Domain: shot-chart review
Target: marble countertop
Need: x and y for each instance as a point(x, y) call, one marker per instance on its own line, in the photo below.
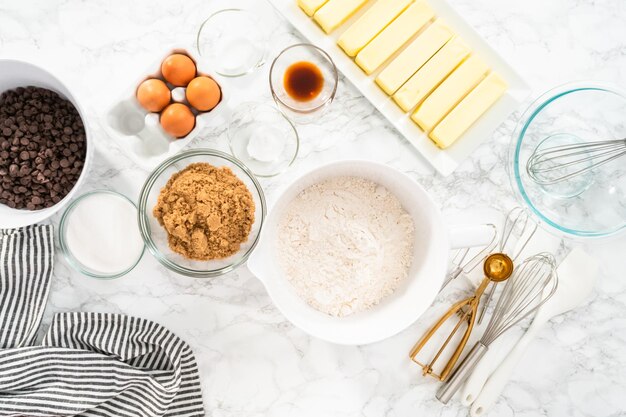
point(253, 362)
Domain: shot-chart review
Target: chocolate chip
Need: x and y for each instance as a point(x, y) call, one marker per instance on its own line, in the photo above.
point(42, 148)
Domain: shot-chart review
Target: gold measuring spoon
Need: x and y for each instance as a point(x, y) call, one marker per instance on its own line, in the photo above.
point(497, 267)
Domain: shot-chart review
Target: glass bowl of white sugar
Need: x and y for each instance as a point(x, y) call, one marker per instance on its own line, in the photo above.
point(99, 235)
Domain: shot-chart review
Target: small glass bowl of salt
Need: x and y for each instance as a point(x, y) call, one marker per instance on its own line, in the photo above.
point(263, 139)
point(99, 234)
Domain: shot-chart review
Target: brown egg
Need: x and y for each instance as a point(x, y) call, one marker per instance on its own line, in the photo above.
point(178, 69)
point(153, 95)
point(177, 120)
point(203, 93)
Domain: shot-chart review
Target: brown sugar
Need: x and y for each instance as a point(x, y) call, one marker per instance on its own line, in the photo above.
point(207, 212)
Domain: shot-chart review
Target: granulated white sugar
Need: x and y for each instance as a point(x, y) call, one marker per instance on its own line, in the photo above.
point(345, 244)
point(102, 233)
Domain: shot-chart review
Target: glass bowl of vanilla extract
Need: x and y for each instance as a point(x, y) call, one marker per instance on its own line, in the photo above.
point(303, 82)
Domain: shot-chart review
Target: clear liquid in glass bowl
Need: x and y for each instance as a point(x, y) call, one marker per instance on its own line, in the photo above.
point(233, 42)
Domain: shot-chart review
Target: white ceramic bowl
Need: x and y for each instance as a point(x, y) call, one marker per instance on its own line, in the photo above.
point(408, 302)
point(16, 73)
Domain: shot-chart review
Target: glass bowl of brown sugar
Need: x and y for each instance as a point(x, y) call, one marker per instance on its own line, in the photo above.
point(201, 213)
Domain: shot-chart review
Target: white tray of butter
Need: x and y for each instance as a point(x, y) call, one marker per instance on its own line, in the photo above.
point(420, 64)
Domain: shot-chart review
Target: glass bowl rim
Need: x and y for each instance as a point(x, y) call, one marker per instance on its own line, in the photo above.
point(67, 253)
point(528, 116)
point(335, 78)
point(243, 11)
point(144, 225)
point(293, 127)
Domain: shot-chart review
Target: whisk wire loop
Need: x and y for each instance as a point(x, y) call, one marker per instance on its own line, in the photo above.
point(555, 164)
point(525, 294)
point(519, 224)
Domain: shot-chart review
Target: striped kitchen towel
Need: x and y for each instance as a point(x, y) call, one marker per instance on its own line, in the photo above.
point(26, 261)
point(93, 364)
point(88, 364)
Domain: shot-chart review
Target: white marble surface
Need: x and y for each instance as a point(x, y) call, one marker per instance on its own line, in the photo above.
point(253, 362)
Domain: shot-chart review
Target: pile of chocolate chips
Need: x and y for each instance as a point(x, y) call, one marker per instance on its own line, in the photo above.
point(42, 148)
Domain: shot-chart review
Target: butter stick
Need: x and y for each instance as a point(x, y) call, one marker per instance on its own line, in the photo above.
point(468, 111)
point(373, 21)
point(311, 6)
point(449, 93)
point(415, 90)
point(413, 57)
point(380, 49)
point(335, 12)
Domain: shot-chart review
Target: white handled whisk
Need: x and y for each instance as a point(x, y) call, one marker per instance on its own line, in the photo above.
point(554, 164)
point(531, 285)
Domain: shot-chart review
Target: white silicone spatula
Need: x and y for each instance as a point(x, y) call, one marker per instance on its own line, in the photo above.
point(577, 275)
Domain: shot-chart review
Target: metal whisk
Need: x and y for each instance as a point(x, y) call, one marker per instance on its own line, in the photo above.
point(532, 284)
point(518, 229)
point(555, 164)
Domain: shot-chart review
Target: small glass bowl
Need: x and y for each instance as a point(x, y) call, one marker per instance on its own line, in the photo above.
point(154, 234)
point(592, 205)
point(232, 42)
point(263, 138)
point(303, 111)
point(71, 258)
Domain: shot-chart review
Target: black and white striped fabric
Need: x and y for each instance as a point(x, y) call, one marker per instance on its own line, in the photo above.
point(88, 364)
point(101, 365)
point(26, 262)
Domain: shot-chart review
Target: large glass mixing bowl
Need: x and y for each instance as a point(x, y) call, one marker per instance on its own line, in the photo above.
point(594, 204)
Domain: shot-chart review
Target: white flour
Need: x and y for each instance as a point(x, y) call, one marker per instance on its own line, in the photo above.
point(344, 244)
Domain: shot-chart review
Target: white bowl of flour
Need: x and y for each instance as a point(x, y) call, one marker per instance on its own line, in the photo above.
point(354, 252)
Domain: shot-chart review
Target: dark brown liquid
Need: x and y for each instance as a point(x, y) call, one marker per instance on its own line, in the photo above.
point(303, 81)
